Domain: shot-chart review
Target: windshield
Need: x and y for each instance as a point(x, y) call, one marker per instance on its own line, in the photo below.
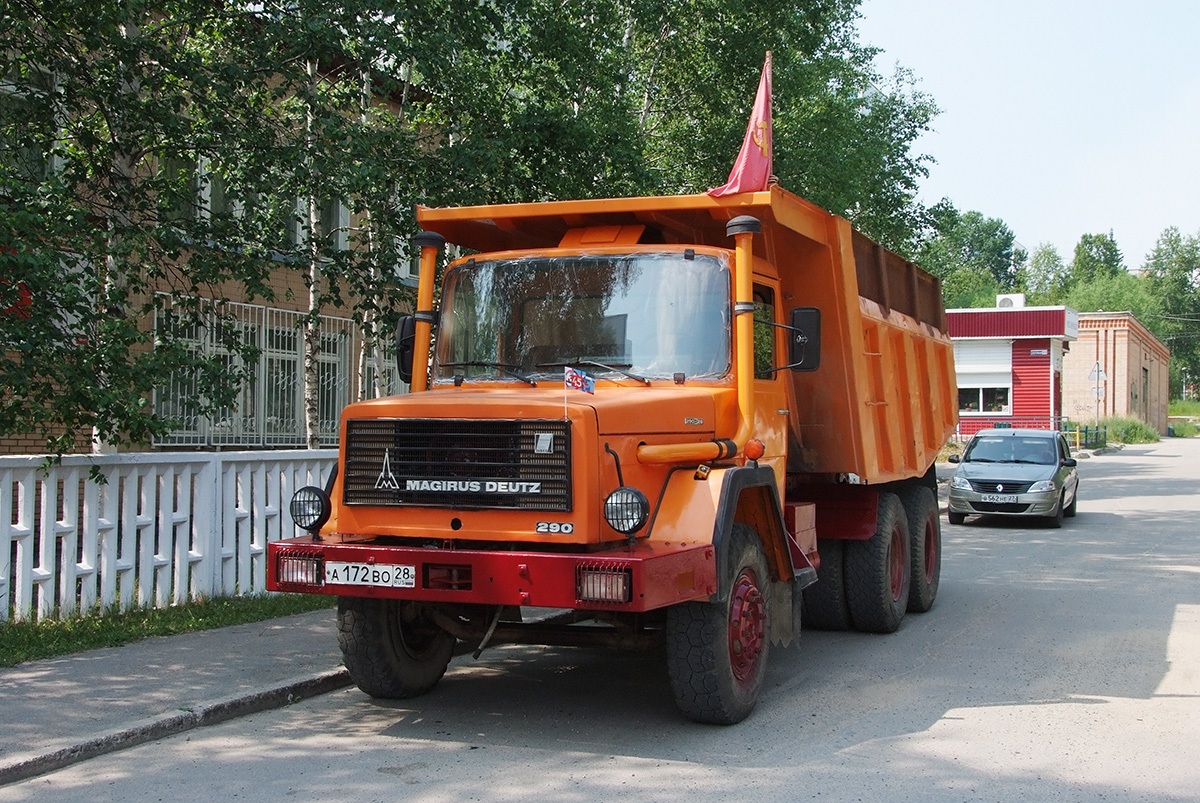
point(1007, 449)
point(649, 316)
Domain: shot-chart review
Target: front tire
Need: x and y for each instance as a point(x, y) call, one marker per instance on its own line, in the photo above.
point(1055, 519)
point(391, 650)
point(877, 571)
point(956, 518)
point(1071, 508)
point(717, 651)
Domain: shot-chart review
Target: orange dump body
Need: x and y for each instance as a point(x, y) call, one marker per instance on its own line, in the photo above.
point(882, 403)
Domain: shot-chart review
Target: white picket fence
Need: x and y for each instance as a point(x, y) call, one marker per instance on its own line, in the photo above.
point(163, 528)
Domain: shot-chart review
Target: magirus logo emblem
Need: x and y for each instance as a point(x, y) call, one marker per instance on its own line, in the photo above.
point(387, 480)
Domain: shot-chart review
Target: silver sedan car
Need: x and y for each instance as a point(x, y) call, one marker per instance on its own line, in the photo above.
point(1015, 472)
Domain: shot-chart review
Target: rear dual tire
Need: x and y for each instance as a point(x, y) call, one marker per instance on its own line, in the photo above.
point(925, 529)
point(878, 570)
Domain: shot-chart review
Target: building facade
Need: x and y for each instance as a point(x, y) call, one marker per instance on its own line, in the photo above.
point(1116, 368)
point(1010, 362)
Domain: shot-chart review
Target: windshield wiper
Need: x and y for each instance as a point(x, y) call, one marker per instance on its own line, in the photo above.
point(979, 460)
point(507, 368)
point(620, 369)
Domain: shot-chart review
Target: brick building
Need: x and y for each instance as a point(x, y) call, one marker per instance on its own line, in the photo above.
point(1116, 368)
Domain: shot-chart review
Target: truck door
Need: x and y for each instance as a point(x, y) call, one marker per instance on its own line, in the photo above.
point(771, 413)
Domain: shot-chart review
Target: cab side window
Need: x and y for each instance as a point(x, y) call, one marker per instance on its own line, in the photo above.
point(764, 332)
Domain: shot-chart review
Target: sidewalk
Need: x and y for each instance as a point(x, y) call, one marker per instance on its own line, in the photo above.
point(64, 710)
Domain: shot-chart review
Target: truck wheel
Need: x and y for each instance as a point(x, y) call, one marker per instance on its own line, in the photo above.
point(717, 651)
point(925, 549)
point(825, 600)
point(877, 571)
point(390, 650)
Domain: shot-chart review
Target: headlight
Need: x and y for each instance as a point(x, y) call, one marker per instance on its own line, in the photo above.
point(310, 508)
point(960, 483)
point(626, 510)
point(1041, 487)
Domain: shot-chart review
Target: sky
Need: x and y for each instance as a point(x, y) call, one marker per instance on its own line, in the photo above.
point(1060, 117)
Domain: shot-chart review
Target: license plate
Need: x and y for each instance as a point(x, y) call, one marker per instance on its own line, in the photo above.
point(370, 574)
point(998, 498)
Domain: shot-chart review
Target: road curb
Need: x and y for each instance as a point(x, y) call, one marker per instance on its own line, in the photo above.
point(212, 713)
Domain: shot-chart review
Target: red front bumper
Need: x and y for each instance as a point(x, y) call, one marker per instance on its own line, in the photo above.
point(643, 577)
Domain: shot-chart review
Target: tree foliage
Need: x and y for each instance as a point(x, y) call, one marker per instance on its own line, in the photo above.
point(1096, 256)
point(156, 157)
point(843, 134)
point(1172, 276)
point(1045, 277)
point(976, 257)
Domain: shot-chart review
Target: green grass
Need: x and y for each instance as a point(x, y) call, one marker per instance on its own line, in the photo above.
point(1129, 430)
point(30, 641)
point(1183, 407)
point(1184, 429)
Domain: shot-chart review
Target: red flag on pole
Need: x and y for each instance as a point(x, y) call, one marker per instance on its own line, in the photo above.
point(752, 170)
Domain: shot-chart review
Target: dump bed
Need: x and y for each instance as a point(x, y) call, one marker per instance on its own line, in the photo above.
point(883, 401)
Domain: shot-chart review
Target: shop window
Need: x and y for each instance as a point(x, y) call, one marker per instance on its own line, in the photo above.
point(994, 401)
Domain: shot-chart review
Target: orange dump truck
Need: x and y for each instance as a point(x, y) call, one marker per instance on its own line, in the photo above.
point(685, 420)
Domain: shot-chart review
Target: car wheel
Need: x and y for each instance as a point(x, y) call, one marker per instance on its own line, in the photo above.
point(1070, 511)
point(956, 518)
point(1056, 519)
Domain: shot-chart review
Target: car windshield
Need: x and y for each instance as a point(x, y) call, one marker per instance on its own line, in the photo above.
point(1011, 449)
point(645, 316)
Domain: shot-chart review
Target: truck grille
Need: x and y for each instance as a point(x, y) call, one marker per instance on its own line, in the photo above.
point(452, 463)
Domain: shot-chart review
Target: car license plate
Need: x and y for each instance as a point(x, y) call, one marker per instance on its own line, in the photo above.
point(370, 574)
point(998, 498)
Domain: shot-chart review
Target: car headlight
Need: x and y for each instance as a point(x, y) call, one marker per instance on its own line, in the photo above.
point(626, 510)
point(960, 483)
point(310, 508)
point(1041, 487)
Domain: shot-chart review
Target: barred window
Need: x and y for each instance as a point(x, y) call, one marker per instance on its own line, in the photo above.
point(269, 411)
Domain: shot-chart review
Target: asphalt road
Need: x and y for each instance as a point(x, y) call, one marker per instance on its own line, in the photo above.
point(1057, 665)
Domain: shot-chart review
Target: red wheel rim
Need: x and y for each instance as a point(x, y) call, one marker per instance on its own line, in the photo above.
point(931, 548)
point(897, 563)
point(747, 618)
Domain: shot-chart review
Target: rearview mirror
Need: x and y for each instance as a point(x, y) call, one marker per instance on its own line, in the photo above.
point(406, 340)
point(804, 339)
